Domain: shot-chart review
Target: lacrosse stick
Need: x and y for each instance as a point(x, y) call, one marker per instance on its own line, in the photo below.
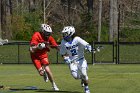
point(2, 42)
point(48, 45)
point(45, 76)
point(97, 50)
point(94, 50)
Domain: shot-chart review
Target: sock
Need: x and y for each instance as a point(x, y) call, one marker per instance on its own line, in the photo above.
point(53, 84)
point(86, 87)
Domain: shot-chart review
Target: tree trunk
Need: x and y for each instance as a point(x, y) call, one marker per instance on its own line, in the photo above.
point(115, 21)
point(8, 11)
point(3, 16)
point(31, 5)
point(111, 22)
point(44, 10)
point(100, 20)
point(0, 19)
point(90, 6)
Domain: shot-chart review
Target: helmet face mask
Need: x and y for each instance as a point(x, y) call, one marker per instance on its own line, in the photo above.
point(46, 30)
point(67, 32)
point(47, 34)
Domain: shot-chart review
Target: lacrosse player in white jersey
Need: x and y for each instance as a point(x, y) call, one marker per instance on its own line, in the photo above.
point(72, 49)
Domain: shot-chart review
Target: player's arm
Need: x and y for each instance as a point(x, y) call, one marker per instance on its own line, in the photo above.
point(53, 43)
point(35, 45)
point(86, 45)
point(32, 48)
point(39, 46)
point(66, 58)
point(65, 55)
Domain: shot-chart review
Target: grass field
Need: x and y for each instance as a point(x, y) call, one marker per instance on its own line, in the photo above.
point(103, 79)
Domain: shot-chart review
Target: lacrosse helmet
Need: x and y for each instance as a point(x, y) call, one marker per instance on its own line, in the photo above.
point(46, 30)
point(67, 32)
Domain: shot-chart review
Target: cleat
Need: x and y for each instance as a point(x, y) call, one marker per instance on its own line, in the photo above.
point(55, 88)
point(87, 90)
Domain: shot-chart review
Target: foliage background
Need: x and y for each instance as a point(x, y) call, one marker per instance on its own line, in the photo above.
point(21, 18)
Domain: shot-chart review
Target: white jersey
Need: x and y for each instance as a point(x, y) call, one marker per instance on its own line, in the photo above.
point(74, 49)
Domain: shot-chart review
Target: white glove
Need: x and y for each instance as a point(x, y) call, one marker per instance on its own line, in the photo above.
point(88, 47)
point(67, 60)
point(41, 46)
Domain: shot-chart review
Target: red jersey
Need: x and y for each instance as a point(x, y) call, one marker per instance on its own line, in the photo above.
point(39, 38)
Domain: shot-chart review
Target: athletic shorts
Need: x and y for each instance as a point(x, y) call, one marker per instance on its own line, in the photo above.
point(39, 62)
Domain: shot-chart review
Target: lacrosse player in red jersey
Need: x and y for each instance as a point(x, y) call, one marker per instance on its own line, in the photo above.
point(39, 46)
point(72, 49)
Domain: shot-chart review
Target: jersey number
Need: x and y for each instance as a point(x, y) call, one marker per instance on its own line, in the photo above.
point(73, 52)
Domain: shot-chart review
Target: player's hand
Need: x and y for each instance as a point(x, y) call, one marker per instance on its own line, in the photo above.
point(89, 48)
point(67, 60)
point(41, 46)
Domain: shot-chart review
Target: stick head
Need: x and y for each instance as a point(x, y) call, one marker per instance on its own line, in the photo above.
point(97, 49)
point(3, 41)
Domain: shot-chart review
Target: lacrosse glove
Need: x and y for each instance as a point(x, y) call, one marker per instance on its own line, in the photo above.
point(67, 60)
point(89, 48)
point(41, 46)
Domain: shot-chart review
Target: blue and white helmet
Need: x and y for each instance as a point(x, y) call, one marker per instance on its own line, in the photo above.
point(46, 28)
point(68, 31)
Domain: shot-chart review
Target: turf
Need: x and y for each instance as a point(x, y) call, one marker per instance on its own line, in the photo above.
point(103, 79)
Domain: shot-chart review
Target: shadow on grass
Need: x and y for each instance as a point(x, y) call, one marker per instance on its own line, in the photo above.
point(35, 89)
point(50, 91)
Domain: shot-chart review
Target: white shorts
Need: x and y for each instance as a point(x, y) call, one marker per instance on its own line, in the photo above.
point(79, 68)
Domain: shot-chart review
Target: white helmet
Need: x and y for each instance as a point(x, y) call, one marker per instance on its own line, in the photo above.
point(46, 28)
point(68, 31)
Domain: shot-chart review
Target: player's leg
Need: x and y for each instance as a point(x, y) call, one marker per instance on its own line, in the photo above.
point(45, 76)
point(85, 79)
point(49, 73)
point(82, 83)
point(83, 69)
point(39, 67)
point(74, 71)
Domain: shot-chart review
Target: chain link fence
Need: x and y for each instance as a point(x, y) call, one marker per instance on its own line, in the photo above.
point(123, 52)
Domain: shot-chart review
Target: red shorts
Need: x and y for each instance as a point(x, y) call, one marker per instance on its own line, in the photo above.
point(39, 62)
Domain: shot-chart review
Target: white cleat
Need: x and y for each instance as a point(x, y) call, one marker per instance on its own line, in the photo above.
point(87, 90)
point(55, 88)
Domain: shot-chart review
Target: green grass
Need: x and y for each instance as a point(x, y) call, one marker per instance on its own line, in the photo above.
point(102, 79)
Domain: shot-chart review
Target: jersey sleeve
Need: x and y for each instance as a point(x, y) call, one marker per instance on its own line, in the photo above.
point(63, 49)
point(81, 41)
point(52, 42)
point(33, 40)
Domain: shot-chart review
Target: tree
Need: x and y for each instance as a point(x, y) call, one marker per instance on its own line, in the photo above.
point(0, 19)
point(115, 21)
point(6, 17)
point(111, 21)
point(90, 6)
point(113, 30)
point(99, 20)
